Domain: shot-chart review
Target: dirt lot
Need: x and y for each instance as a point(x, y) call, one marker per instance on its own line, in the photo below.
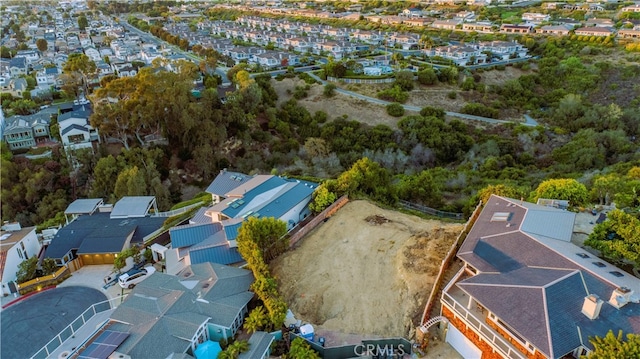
point(366, 271)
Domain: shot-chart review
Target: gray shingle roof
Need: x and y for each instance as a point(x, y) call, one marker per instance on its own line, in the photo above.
point(259, 342)
point(161, 314)
point(530, 276)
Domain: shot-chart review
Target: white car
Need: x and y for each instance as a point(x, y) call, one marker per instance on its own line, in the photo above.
point(135, 276)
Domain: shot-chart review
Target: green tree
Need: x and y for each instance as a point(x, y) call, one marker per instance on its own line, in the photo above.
point(300, 349)
point(499, 190)
point(322, 198)
point(605, 187)
point(562, 188)
point(27, 270)
point(42, 45)
point(618, 237)
point(368, 178)
point(256, 320)
point(404, 79)
point(615, 347)
point(130, 182)
point(80, 65)
point(234, 349)
point(427, 77)
point(49, 266)
point(268, 235)
point(83, 23)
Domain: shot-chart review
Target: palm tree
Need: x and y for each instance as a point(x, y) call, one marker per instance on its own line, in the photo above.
point(256, 320)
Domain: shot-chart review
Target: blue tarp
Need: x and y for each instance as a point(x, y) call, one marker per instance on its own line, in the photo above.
point(208, 350)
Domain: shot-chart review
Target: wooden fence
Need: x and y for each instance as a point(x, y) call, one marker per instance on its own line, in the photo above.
point(360, 81)
point(42, 282)
point(328, 212)
point(428, 210)
point(437, 284)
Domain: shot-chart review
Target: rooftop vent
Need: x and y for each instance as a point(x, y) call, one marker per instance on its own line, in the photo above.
point(582, 255)
point(620, 297)
point(591, 306)
point(186, 274)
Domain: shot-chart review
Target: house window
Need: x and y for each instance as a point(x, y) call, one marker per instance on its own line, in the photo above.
point(76, 138)
point(20, 253)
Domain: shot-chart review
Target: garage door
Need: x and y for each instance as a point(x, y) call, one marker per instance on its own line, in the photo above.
point(461, 344)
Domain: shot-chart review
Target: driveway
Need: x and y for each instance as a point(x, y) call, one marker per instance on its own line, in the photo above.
point(31, 323)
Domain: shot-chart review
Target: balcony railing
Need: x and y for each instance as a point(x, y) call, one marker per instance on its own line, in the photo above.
point(72, 328)
point(475, 321)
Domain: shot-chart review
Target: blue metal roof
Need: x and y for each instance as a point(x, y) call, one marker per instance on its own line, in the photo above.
point(232, 231)
point(233, 211)
point(190, 234)
point(219, 254)
point(226, 181)
point(286, 201)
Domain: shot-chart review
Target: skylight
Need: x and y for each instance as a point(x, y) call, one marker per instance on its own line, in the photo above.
point(599, 264)
point(501, 216)
point(582, 255)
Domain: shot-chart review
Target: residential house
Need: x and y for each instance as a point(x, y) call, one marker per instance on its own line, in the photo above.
point(369, 37)
point(465, 16)
point(18, 66)
point(48, 76)
point(411, 12)
point(30, 56)
point(480, 27)
point(407, 41)
point(300, 44)
point(24, 132)
point(461, 55)
point(631, 8)
point(92, 53)
point(556, 30)
point(418, 22)
point(629, 33)
point(594, 31)
point(17, 244)
point(535, 18)
point(446, 24)
point(75, 130)
point(17, 86)
point(98, 233)
point(594, 22)
point(211, 234)
point(516, 29)
point(526, 291)
point(169, 316)
point(503, 50)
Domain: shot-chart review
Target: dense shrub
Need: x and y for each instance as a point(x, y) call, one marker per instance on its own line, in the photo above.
point(394, 94)
point(478, 109)
point(395, 109)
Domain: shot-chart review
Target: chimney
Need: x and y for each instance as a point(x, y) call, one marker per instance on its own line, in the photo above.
point(591, 306)
point(620, 297)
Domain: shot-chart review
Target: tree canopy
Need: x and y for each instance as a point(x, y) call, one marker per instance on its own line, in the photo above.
point(615, 346)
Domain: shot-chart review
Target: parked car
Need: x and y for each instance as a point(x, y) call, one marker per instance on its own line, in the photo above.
point(135, 276)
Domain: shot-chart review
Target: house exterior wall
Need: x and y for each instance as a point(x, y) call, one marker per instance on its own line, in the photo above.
point(297, 213)
point(487, 351)
point(20, 139)
point(31, 248)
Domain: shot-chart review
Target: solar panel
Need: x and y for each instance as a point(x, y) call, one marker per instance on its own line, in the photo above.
point(104, 345)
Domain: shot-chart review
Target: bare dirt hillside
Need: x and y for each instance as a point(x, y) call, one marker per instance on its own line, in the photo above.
point(365, 271)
